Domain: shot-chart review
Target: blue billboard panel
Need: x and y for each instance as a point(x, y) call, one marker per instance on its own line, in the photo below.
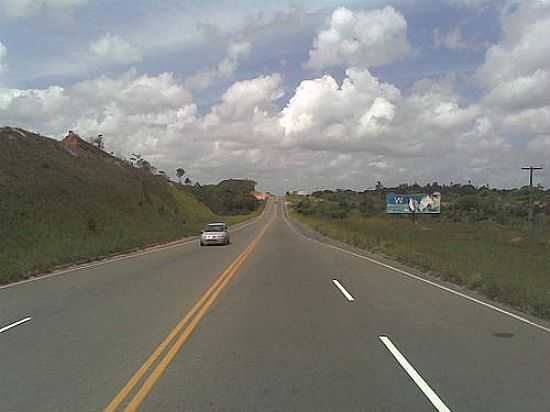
point(413, 203)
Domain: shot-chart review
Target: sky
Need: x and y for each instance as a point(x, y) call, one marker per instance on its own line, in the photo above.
point(295, 95)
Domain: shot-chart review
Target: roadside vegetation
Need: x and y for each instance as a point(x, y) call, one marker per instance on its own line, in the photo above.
point(61, 204)
point(229, 197)
point(481, 239)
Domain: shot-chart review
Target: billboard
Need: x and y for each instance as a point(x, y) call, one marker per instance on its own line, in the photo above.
point(413, 203)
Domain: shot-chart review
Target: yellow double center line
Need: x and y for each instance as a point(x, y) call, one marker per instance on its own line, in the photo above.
point(182, 332)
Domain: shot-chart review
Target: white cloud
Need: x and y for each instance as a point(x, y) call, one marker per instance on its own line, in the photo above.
point(324, 114)
point(522, 51)
point(540, 145)
point(526, 123)
point(136, 94)
point(396, 132)
point(246, 118)
point(225, 69)
point(374, 121)
point(329, 133)
point(26, 8)
point(114, 49)
point(246, 96)
point(521, 93)
point(56, 109)
point(361, 39)
point(107, 51)
point(239, 50)
point(516, 77)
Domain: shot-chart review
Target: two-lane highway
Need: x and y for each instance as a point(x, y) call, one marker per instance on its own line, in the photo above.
point(274, 322)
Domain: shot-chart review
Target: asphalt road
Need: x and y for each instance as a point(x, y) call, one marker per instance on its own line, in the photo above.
point(282, 323)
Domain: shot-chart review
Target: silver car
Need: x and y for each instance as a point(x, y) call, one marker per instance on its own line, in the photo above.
point(215, 234)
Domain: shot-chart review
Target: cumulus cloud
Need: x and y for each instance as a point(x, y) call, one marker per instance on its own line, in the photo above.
point(522, 50)
point(103, 101)
point(329, 132)
point(361, 39)
point(26, 8)
point(114, 49)
point(225, 69)
point(516, 73)
point(323, 113)
point(366, 115)
point(522, 92)
point(246, 96)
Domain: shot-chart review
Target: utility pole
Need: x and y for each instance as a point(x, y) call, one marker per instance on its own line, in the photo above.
point(531, 170)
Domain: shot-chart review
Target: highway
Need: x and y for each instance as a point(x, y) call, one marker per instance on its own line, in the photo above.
point(280, 320)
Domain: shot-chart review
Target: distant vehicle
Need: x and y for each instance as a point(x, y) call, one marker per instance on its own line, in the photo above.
point(215, 234)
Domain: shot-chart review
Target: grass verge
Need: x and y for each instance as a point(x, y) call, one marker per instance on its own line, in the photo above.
point(59, 250)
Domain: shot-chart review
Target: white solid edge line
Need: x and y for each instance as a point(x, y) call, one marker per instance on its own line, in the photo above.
point(429, 282)
point(153, 249)
point(421, 383)
point(14, 324)
point(343, 290)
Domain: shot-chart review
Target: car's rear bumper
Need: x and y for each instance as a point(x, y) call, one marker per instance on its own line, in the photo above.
point(213, 241)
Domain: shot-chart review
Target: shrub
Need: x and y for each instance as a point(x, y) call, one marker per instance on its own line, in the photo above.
point(91, 224)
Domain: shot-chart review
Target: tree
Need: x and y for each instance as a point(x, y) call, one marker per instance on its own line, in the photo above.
point(98, 141)
point(179, 173)
point(138, 161)
point(135, 159)
point(187, 181)
point(380, 189)
point(145, 165)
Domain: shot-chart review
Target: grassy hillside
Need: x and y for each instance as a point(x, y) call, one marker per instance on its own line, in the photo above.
point(61, 205)
point(469, 244)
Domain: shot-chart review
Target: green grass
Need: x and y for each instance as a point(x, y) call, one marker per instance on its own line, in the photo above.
point(500, 262)
point(57, 208)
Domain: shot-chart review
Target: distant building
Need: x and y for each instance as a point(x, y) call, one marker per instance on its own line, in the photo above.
point(261, 195)
point(78, 146)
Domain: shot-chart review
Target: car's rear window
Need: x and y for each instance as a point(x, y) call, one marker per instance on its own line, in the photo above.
point(214, 228)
